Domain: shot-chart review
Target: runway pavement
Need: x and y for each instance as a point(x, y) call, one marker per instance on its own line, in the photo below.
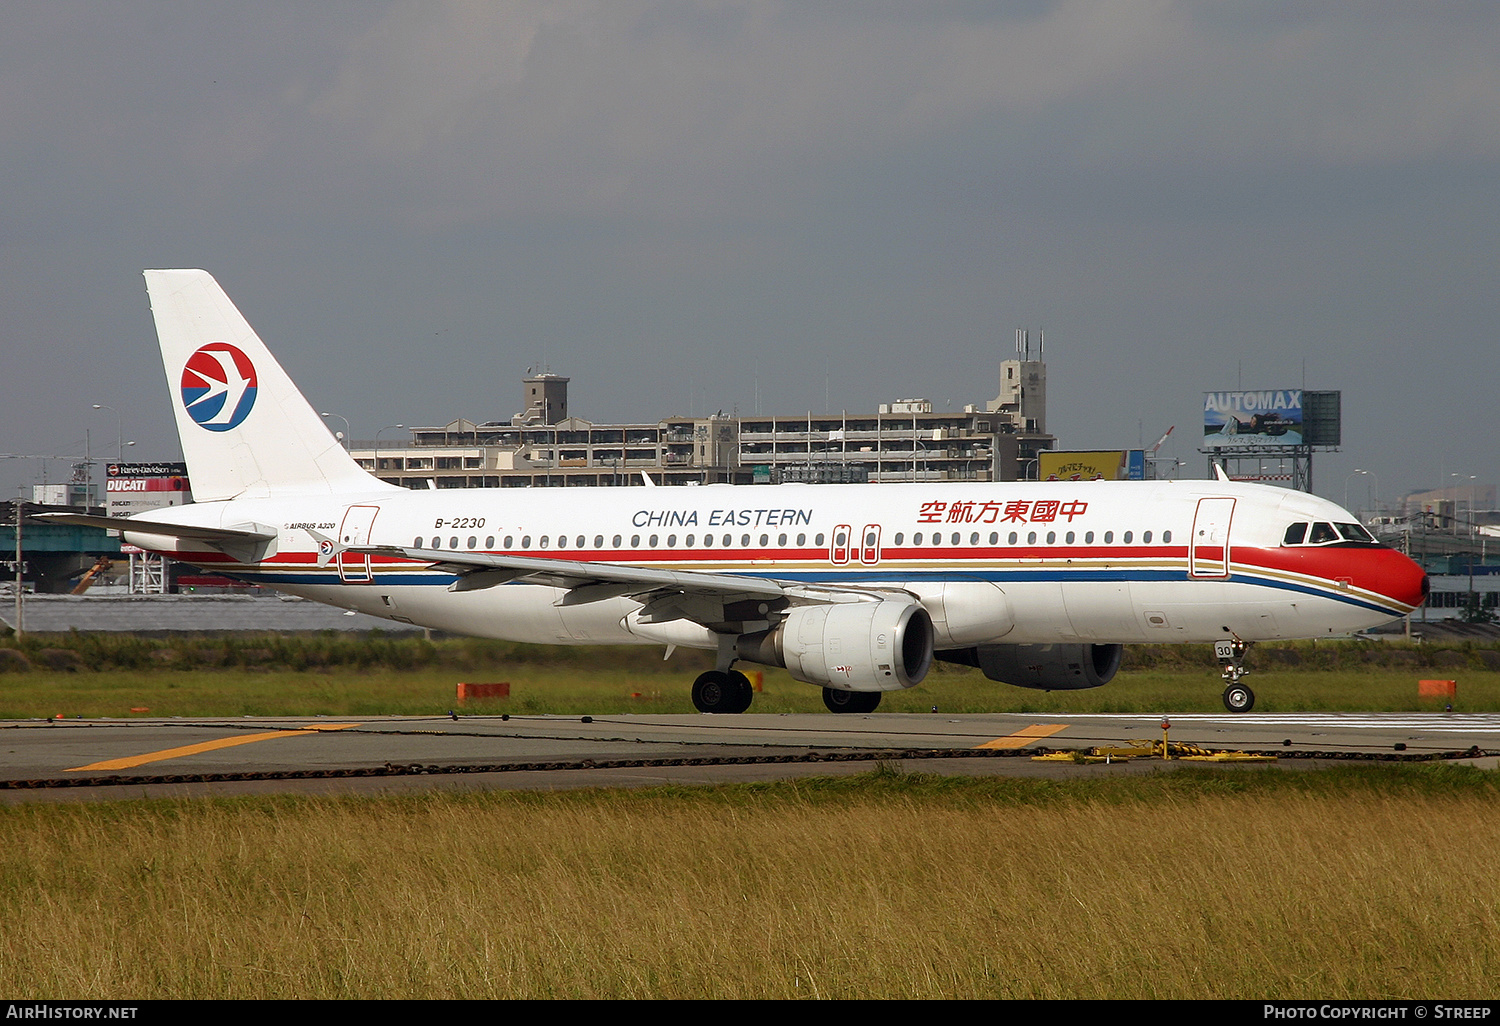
point(106, 758)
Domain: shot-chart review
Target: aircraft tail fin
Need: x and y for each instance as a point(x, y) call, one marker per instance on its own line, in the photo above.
point(246, 430)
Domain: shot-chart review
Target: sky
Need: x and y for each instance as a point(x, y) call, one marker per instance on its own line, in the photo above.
point(698, 206)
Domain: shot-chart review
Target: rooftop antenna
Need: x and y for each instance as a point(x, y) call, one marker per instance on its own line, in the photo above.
point(1039, 343)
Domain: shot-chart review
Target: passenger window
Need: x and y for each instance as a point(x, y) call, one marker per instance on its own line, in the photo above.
point(688, 541)
point(728, 541)
point(898, 537)
point(671, 541)
point(1069, 537)
point(437, 542)
point(1051, 537)
point(916, 539)
point(654, 540)
point(955, 539)
point(473, 542)
point(708, 541)
point(509, 539)
point(617, 541)
point(416, 543)
point(635, 541)
point(598, 541)
point(1146, 538)
point(1128, 536)
point(1166, 537)
point(1295, 534)
point(801, 539)
point(1109, 537)
point(525, 541)
point(579, 542)
point(744, 541)
point(562, 541)
point(994, 537)
point(1031, 538)
point(1088, 537)
point(765, 540)
point(974, 538)
point(489, 542)
point(781, 539)
point(453, 542)
point(1012, 539)
point(818, 540)
point(542, 542)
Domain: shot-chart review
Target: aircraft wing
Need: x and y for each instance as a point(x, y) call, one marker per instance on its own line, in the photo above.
point(483, 569)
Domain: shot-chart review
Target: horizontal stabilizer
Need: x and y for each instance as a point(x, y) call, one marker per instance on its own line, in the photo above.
point(244, 533)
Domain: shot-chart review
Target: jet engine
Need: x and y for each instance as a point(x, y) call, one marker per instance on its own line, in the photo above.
point(849, 646)
point(1045, 667)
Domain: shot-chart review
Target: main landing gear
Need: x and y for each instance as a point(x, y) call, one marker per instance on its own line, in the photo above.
point(850, 701)
point(1238, 697)
point(722, 691)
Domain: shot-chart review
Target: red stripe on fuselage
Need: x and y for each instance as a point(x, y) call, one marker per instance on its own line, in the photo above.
point(1383, 571)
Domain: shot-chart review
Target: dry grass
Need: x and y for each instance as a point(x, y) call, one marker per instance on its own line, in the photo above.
point(1189, 885)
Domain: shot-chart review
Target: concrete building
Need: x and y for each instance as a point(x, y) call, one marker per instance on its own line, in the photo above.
point(545, 447)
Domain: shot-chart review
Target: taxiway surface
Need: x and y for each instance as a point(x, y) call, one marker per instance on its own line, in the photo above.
point(118, 758)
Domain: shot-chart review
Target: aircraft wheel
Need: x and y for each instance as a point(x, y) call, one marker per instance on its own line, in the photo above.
point(840, 701)
point(718, 692)
point(1238, 698)
point(745, 691)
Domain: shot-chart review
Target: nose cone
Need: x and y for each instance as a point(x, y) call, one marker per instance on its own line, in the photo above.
point(1403, 580)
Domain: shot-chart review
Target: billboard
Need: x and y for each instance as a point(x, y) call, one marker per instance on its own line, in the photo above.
point(131, 488)
point(1092, 465)
point(1256, 419)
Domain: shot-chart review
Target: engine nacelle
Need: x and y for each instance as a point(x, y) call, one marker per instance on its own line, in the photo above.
point(1045, 667)
point(852, 646)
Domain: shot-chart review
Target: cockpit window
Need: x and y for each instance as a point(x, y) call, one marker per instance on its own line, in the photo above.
point(1354, 533)
point(1327, 534)
point(1322, 534)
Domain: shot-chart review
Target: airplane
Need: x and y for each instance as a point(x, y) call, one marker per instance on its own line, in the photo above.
point(856, 589)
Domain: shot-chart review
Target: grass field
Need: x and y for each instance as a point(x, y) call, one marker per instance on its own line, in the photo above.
point(98, 676)
point(1370, 882)
point(1351, 883)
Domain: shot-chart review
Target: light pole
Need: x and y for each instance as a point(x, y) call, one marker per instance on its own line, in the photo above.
point(119, 425)
point(20, 508)
point(388, 427)
point(340, 437)
point(1346, 486)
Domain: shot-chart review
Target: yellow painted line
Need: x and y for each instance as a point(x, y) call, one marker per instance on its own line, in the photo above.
point(1026, 735)
point(206, 746)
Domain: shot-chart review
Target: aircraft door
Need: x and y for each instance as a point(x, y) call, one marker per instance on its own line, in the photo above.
point(838, 551)
point(1208, 545)
point(354, 567)
point(869, 550)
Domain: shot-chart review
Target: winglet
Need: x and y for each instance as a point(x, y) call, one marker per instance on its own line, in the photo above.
point(646, 478)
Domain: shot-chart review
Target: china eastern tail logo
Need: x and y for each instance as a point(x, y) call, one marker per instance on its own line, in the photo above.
point(218, 386)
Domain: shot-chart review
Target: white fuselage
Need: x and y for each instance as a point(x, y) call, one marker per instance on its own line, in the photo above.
point(1026, 562)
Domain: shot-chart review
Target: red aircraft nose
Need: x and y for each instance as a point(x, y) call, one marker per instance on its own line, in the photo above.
point(1397, 577)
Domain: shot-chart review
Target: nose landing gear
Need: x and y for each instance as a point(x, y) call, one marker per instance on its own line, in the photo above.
point(1238, 697)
